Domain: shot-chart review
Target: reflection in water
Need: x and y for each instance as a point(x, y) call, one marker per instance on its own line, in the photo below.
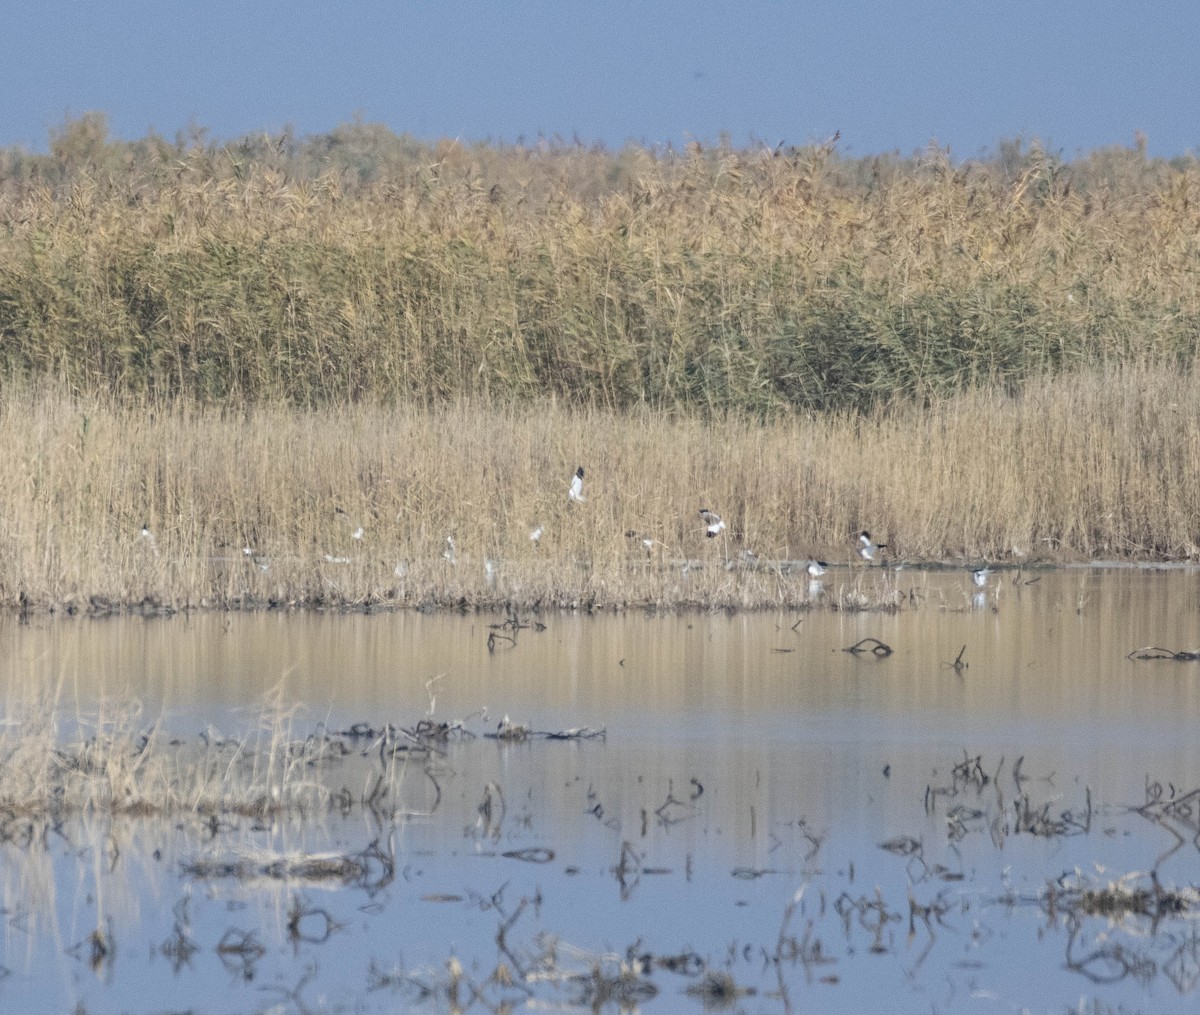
point(821, 826)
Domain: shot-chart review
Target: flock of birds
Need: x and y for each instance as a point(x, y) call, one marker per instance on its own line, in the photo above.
point(714, 525)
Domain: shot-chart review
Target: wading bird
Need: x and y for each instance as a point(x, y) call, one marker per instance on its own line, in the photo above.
point(148, 536)
point(980, 576)
point(535, 536)
point(576, 491)
point(712, 522)
point(814, 569)
point(866, 548)
point(358, 532)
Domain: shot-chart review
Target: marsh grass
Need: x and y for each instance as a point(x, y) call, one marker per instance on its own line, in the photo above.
point(1094, 464)
point(58, 764)
point(362, 265)
point(110, 760)
point(268, 344)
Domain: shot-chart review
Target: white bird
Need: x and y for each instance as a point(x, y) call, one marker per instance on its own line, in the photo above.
point(816, 568)
point(358, 533)
point(980, 576)
point(866, 548)
point(576, 491)
point(646, 541)
point(712, 522)
point(148, 536)
point(448, 553)
point(535, 536)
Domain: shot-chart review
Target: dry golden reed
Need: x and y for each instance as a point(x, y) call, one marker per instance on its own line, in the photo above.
point(1090, 464)
point(363, 265)
point(256, 349)
point(115, 762)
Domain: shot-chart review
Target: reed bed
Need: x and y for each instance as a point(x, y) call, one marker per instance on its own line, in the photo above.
point(1078, 466)
point(110, 759)
point(268, 345)
point(361, 265)
point(113, 761)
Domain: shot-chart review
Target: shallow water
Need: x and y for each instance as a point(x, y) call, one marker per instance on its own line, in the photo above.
point(749, 761)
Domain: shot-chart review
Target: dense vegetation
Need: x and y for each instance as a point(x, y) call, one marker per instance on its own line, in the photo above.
point(1103, 465)
point(273, 344)
point(360, 264)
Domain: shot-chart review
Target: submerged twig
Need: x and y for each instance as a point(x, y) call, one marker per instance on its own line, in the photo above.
point(873, 645)
point(959, 663)
point(1154, 652)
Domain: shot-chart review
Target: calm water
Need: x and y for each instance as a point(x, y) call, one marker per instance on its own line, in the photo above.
point(749, 761)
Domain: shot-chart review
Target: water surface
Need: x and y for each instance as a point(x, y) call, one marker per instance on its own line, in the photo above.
point(748, 763)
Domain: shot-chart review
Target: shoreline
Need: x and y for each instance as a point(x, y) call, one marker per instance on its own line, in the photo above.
point(847, 588)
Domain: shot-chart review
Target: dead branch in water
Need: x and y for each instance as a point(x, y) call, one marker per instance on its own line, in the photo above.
point(959, 663)
point(879, 649)
point(517, 732)
point(1154, 652)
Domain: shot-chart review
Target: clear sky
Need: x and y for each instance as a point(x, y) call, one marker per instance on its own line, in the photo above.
point(889, 74)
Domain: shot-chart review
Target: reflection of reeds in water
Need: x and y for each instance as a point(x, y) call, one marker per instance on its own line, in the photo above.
point(1104, 464)
point(108, 781)
point(113, 762)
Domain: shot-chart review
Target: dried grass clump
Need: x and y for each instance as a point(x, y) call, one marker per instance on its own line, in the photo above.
point(1137, 894)
point(54, 765)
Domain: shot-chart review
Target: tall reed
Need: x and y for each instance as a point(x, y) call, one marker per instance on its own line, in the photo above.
point(362, 265)
point(1099, 463)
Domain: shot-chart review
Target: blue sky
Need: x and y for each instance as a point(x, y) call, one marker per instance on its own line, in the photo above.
point(889, 75)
